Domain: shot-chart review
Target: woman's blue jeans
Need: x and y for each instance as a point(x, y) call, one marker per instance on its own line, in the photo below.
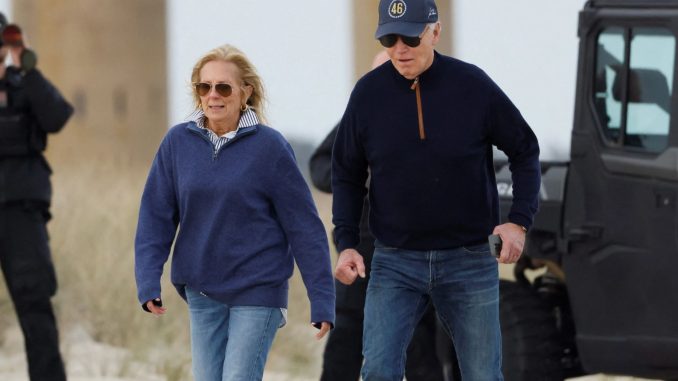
point(463, 285)
point(229, 343)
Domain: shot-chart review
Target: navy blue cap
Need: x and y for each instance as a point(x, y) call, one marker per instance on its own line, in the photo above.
point(405, 17)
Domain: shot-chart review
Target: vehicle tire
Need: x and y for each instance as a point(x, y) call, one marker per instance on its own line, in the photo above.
point(530, 340)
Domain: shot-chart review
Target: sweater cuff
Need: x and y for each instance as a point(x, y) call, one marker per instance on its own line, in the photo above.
point(321, 312)
point(344, 239)
point(520, 220)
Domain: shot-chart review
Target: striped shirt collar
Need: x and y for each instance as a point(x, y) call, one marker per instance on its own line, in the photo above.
point(247, 119)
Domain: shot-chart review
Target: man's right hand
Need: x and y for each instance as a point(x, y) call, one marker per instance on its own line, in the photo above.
point(350, 265)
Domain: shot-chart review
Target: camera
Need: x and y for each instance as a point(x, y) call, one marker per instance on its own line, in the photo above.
point(11, 35)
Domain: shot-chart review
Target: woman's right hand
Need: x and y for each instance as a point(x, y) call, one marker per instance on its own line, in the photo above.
point(155, 307)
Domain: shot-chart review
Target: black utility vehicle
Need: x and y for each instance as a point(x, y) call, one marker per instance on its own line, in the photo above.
point(607, 229)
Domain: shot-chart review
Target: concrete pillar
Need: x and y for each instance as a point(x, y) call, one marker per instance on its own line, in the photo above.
point(108, 58)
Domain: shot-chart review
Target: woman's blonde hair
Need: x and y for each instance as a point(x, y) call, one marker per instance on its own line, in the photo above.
point(248, 74)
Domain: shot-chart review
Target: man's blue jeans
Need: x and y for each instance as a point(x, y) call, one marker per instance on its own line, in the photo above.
point(463, 285)
point(229, 343)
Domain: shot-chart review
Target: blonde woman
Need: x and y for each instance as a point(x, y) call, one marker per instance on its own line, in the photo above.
point(246, 216)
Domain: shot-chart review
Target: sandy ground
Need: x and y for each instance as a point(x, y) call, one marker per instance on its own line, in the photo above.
point(88, 360)
point(91, 361)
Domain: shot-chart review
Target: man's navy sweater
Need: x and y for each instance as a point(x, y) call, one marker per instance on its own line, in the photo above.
point(439, 192)
point(245, 215)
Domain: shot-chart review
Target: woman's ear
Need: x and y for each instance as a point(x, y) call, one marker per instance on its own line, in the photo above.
point(248, 92)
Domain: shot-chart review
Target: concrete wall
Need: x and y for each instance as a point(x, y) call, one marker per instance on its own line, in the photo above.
point(108, 58)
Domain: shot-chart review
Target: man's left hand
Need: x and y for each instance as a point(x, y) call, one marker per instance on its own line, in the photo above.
point(513, 238)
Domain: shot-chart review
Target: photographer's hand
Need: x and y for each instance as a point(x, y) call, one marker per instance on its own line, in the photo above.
point(15, 53)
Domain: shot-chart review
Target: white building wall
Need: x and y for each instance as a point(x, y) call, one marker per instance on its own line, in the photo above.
point(301, 48)
point(6, 8)
point(529, 48)
point(304, 53)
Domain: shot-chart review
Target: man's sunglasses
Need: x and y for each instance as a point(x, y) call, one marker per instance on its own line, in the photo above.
point(390, 40)
point(223, 89)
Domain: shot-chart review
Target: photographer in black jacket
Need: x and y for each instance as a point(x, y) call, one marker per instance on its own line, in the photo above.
point(30, 108)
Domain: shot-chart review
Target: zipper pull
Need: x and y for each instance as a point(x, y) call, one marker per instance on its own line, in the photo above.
point(415, 84)
point(420, 115)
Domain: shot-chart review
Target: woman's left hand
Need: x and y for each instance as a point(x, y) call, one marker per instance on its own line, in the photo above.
point(324, 328)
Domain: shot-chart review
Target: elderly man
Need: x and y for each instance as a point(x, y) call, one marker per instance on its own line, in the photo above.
point(424, 124)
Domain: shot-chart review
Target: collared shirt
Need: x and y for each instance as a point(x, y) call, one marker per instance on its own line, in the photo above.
point(247, 119)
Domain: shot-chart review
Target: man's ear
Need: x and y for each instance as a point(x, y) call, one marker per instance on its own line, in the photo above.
point(436, 33)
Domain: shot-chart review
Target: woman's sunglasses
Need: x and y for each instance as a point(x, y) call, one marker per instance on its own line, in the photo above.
point(223, 89)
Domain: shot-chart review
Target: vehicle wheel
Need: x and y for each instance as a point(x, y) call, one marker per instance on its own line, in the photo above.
point(530, 340)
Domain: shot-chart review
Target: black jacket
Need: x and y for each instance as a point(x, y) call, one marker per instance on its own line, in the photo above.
point(321, 176)
point(349, 298)
point(40, 109)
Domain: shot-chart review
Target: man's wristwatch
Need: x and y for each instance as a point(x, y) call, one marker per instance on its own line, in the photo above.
point(521, 226)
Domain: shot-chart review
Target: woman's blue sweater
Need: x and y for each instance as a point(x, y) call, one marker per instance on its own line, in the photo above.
point(245, 215)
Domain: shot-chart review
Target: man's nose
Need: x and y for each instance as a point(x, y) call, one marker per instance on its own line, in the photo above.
point(400, 45)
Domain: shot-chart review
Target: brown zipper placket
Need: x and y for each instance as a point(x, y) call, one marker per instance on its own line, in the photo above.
point(420, 115)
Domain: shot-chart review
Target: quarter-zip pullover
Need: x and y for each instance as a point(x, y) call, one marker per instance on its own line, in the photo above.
point(435, 190)
point(245, 215)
